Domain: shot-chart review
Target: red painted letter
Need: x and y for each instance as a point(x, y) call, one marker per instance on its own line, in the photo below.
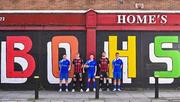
point(26, 45)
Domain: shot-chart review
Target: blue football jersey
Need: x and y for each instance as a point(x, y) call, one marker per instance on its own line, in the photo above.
point(64, 65)
point(92, 65)
point(117, 65)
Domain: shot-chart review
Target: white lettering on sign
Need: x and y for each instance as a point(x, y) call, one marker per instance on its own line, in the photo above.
point(142, 19)
point(2, 19)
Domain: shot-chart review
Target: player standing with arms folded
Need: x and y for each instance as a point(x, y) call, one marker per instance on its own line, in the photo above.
point(117, 71)
point(104, 67)
point(78, 71)
point(91, 66)
point(64, 66)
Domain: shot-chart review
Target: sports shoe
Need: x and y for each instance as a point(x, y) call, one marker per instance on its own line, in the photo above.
point(81, 90)
point(119, 89)
point(60, 90)
point(66, 90)
point(114, 89)
point(94, 89)
point(107, 89)
point(73, 90)
point(87, 90)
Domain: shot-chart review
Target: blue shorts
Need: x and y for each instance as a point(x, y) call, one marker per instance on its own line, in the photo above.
point(64, 76)
point(117, 75)
point(91, 75)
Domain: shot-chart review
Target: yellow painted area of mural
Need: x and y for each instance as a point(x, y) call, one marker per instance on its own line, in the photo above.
point(130, 53)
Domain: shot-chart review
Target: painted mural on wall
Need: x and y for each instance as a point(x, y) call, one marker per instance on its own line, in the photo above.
point(144, 54)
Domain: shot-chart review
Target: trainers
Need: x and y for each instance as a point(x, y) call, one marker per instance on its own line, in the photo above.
point(94, 89)
point(119, 89)
point(81, 90)
point(114, 89)
point(87, 90)
point(66, 90)
point(108, 89)
point(73, 90)
point(60, 90)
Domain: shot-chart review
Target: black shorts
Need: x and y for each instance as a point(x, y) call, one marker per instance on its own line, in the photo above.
point(77, 75)
point(103, 75)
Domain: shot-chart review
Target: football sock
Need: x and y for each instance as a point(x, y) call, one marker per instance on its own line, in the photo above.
point(81, 85)
point(88, 84)
point(60, 86)
point(66, 86)
point(114, 86)
point(101, 83)
point(94, 84)
point(119, 87)
point(74, 84)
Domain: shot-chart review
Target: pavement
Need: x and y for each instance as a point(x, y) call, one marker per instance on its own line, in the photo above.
point(105, 96)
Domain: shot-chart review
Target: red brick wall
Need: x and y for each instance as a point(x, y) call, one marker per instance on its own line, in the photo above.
point(86, 4)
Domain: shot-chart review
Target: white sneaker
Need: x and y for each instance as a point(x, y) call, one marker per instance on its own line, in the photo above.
point(60, 90)
point(87, 90)
point(81, 90)
point(107, 89)
point(114, 89)
point(94, 89)
point(73, 90)
point(66, 90)
point(119, 89)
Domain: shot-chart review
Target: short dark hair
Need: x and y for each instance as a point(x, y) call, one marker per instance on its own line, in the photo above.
point(103, 52)
point(91, 54)
point(117, 53)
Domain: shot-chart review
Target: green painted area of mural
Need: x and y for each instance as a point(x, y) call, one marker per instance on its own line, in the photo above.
point(173, 54)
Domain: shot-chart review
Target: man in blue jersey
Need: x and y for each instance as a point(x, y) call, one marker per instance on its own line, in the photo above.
point(64, 66)
point(117, 71)
point(91, 66)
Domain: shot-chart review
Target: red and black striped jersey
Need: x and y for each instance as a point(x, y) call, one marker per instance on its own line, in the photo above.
point(78, 65)
point(104, 64)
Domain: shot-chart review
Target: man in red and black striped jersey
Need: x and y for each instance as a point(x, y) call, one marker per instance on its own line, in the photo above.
point(78, 71)
point(104, 68)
